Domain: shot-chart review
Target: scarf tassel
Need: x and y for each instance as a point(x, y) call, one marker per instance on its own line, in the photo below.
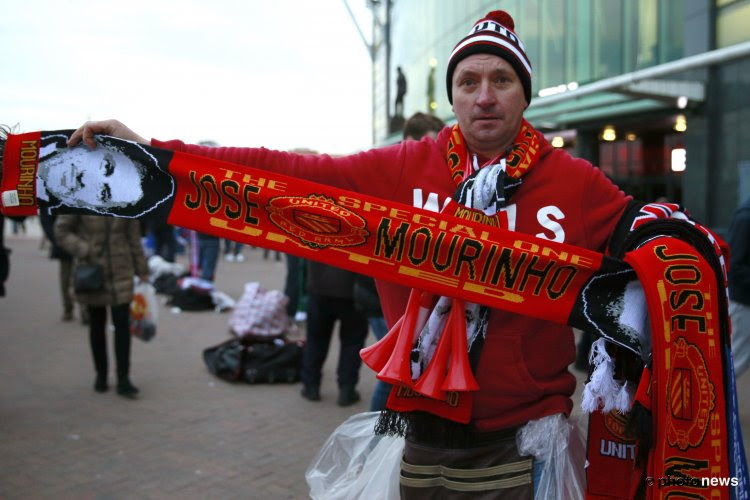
point(602, 391)
point(4, 133)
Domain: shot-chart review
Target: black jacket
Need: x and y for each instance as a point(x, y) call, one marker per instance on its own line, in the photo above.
point(329, 281)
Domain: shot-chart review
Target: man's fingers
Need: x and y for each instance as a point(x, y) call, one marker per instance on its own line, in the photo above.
point(86, 133)
point(88, 137)
point(75, 137)
point(114, 128)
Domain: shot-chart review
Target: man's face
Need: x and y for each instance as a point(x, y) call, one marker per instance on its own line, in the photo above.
point(488, 102)
point(93, 178)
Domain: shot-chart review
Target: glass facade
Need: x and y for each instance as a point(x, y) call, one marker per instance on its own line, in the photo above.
point(729, 165)
point(580, 42)
point(566, 41)
point(647, 30)
point(732, 21)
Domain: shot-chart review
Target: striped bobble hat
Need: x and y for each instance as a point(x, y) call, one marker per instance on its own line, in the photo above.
point(493, 34)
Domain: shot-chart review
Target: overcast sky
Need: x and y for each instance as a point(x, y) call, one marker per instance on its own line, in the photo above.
point(280, 73)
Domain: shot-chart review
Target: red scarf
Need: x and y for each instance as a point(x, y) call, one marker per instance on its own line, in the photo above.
point(681, 394)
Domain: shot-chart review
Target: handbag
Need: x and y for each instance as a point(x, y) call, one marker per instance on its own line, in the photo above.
point(143, 311)
point(88, 278)
point(260, 313)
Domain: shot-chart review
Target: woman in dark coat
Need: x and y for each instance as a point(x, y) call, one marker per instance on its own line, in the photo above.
point(114, 244)
point(65, 269)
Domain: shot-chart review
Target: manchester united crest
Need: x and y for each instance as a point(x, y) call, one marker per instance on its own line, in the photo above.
point(317, 221)
point(690, 396)
point(615, 422)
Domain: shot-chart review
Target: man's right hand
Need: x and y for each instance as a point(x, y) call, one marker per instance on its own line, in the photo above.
point(114, 128)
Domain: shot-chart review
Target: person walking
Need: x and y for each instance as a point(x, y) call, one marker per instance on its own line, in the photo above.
point(115, 246)
point(233, 251)
point(208, 255)
point(329, 299)
point(65, 270)
point(163, 233)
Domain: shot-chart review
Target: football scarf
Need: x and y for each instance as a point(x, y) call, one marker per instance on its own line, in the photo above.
point(440, 254)
point(688, 443)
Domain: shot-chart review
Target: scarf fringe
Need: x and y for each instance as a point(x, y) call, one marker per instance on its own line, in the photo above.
point(391, 423)
point(4, 133)
point(602, 391)
point(424, 427)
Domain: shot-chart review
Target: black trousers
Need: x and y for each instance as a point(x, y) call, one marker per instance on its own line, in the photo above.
point(66, 281)
point(294, 285)
point(98, 338)
point(322, 313)
point(165, 241)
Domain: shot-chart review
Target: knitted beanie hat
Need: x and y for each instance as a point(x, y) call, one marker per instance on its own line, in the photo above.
point(493, 34)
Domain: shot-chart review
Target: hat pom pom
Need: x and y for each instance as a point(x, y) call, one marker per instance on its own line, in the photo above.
point(501, 17)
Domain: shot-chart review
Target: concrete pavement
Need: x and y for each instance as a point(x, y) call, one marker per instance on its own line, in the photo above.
point(189, 435)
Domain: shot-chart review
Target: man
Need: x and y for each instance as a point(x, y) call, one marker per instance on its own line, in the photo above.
point(65, 266)
point(400, 92)
point(103, 181)
point(329, 299)
point(520, 363)
point(422, 124)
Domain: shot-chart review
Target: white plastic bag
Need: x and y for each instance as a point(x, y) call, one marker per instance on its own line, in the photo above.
point(355, 463)
point(557, 442)
point(143, 311)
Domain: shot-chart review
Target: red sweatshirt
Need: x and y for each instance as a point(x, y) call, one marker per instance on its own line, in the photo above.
point(523, 370)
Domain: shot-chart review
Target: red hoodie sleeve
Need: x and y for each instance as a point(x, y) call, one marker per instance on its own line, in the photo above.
point(363, 172)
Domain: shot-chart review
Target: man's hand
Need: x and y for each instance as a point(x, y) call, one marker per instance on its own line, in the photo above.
point(114, 128)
